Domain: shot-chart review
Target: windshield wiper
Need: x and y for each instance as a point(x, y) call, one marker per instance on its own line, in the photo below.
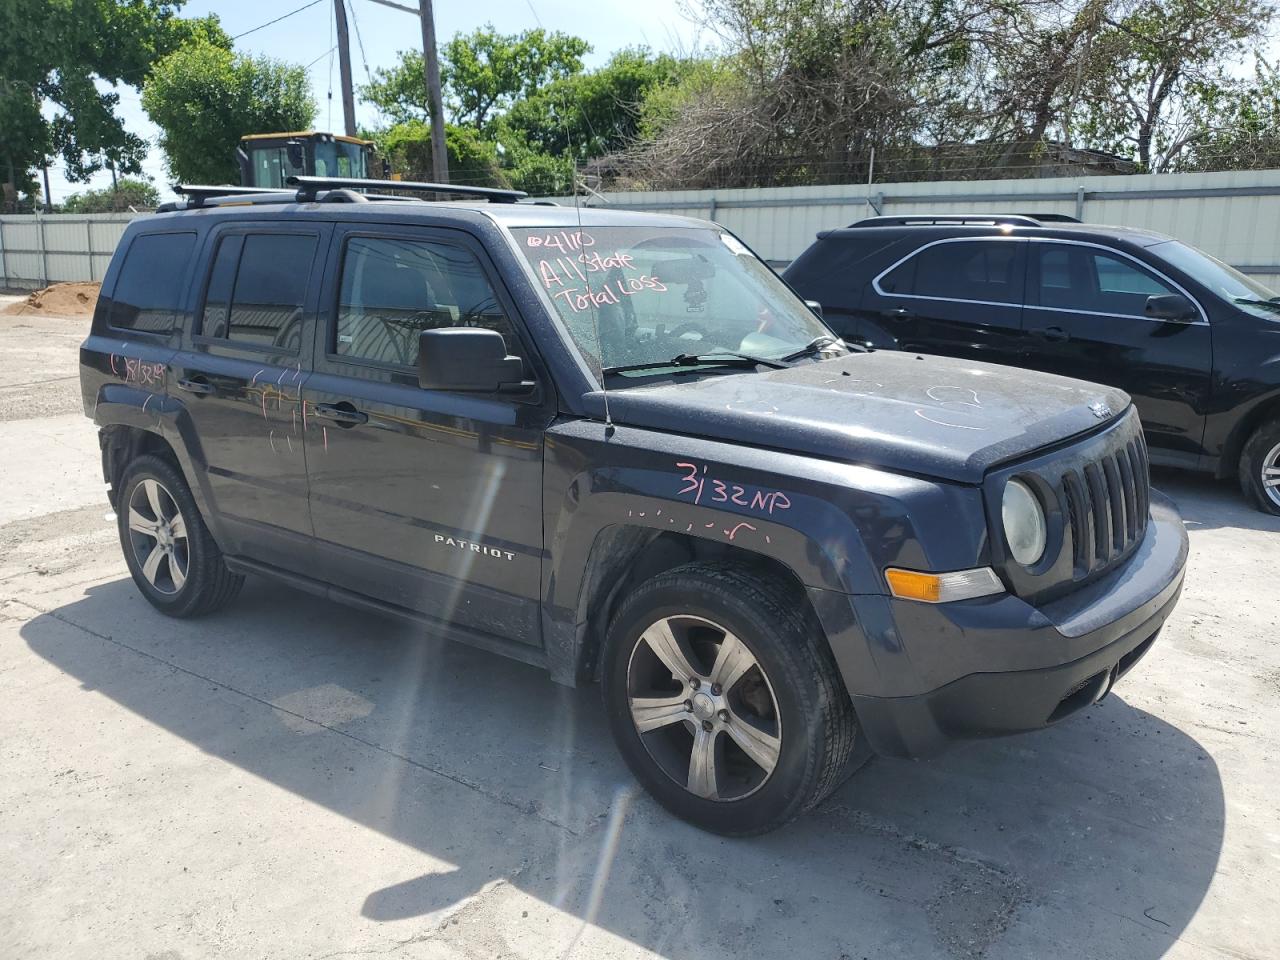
point(718, 358)
point(816, 346)
point(1273, 304)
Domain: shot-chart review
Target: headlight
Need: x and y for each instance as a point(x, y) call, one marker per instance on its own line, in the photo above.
point(1024, 525)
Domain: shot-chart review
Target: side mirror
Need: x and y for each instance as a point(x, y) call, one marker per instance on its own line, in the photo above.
point(466, 358)
point(815, 306)
point(1171, 306)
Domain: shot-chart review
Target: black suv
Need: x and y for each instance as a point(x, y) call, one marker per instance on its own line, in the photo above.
point(617, 446)
point(1194, 342)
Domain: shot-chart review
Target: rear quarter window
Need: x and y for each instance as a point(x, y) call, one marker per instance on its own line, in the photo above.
point(148, 292)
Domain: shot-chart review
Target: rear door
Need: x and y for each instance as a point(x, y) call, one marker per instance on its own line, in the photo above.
point(1085, 318)
point(240, 375)
point(425, 499)
point(959, 297)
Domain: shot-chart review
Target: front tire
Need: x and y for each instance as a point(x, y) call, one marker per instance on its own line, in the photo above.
point(167, 547)
point(1260, 468)
point(725, 701)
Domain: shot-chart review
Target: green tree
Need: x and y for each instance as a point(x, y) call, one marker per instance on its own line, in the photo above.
point(53, 56)
point(1161, 55)
point(1235, 125)
point(481, 75)
point(593, 113)
point(472, 159)
point(204, 98)
point(129, 192)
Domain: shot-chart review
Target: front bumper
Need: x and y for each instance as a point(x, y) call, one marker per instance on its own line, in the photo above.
point(998, 666)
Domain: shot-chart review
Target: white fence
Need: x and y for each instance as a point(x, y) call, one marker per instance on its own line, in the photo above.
point(38, 250)
point(1234, 216)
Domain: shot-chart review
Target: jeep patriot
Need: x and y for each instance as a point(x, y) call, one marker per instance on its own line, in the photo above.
point(617, 446)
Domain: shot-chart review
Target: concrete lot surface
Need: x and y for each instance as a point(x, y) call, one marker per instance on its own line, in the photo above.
point(291, 778)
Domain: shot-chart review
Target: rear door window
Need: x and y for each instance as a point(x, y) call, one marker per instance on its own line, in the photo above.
point(971, 270)
point(148, 292)
point(257, 289)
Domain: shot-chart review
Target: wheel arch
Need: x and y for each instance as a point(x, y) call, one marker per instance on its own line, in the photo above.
point(1264, 411)
point(623, 556)
point(123, 443)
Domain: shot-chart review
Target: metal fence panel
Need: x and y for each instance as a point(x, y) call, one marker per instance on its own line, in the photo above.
point(38, 250)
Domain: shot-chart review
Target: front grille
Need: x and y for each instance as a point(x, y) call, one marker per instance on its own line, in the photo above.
point(1097, 496)
point(1107, 504)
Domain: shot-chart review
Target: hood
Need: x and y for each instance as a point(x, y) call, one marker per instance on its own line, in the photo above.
point(929, 416)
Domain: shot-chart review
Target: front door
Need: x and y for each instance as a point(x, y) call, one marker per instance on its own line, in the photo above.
point(240, 373)
point(1085, 318)
point(428, 500)
point(959, 297)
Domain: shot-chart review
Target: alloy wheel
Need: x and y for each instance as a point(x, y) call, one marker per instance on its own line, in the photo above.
point(1271, 474)
point(704, 708)
point(158, 536)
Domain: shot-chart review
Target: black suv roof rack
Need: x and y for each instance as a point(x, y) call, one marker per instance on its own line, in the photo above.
point(309, 186)
point(324, 190)
point(977, 219)
point(196, 194)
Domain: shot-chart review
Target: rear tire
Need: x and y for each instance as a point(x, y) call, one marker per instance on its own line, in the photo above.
point(738, 758)
point(167, 547)
point(1260, 468)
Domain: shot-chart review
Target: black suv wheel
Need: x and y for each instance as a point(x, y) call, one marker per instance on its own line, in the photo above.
point(724, 700)
point(1260, 468)
point(167, 546)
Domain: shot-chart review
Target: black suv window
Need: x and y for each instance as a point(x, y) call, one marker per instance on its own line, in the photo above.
point(392, 289)
point(984, 270)
point(257, 289)
point(150, 282)
point(1084, 278)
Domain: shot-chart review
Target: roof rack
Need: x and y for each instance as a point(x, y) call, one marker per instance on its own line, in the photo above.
point(196, 194)
point(978, 219)
point(1052, 217)
point(309, 186)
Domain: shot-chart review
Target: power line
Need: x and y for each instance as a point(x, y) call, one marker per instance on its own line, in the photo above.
point(321, 57)
point(263, 26)
point(355, 21)
point(329, 121)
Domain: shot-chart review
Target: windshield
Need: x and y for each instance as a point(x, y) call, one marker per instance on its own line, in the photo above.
point(338, 158)
point(655, 293)
point(1228, 282)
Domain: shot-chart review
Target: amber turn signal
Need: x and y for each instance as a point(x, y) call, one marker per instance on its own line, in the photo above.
point(943, 587)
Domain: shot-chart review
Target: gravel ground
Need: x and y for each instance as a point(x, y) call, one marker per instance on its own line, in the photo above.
point(291, 778)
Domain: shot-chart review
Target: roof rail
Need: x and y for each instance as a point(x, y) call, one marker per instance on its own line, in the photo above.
point(196, 194)
point(977, 219)
point(1052, 217)
point(309, 186)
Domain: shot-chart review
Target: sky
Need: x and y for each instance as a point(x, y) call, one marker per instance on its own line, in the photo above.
point(307, 37)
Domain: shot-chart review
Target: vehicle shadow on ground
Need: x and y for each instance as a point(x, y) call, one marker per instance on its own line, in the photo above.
point(1098, 837)
point(1207, 503)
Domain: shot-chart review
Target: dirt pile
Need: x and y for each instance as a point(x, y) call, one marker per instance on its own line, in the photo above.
point(58, 300)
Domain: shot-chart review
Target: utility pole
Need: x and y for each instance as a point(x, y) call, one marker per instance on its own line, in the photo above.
point(439, 156)
point(344, 68)
point(48, 200)
point(431, 70)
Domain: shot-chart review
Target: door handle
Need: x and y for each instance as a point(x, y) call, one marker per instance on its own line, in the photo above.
point(197, 385)
point(900, 313)
point(342, 413)
point(1053, 334)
